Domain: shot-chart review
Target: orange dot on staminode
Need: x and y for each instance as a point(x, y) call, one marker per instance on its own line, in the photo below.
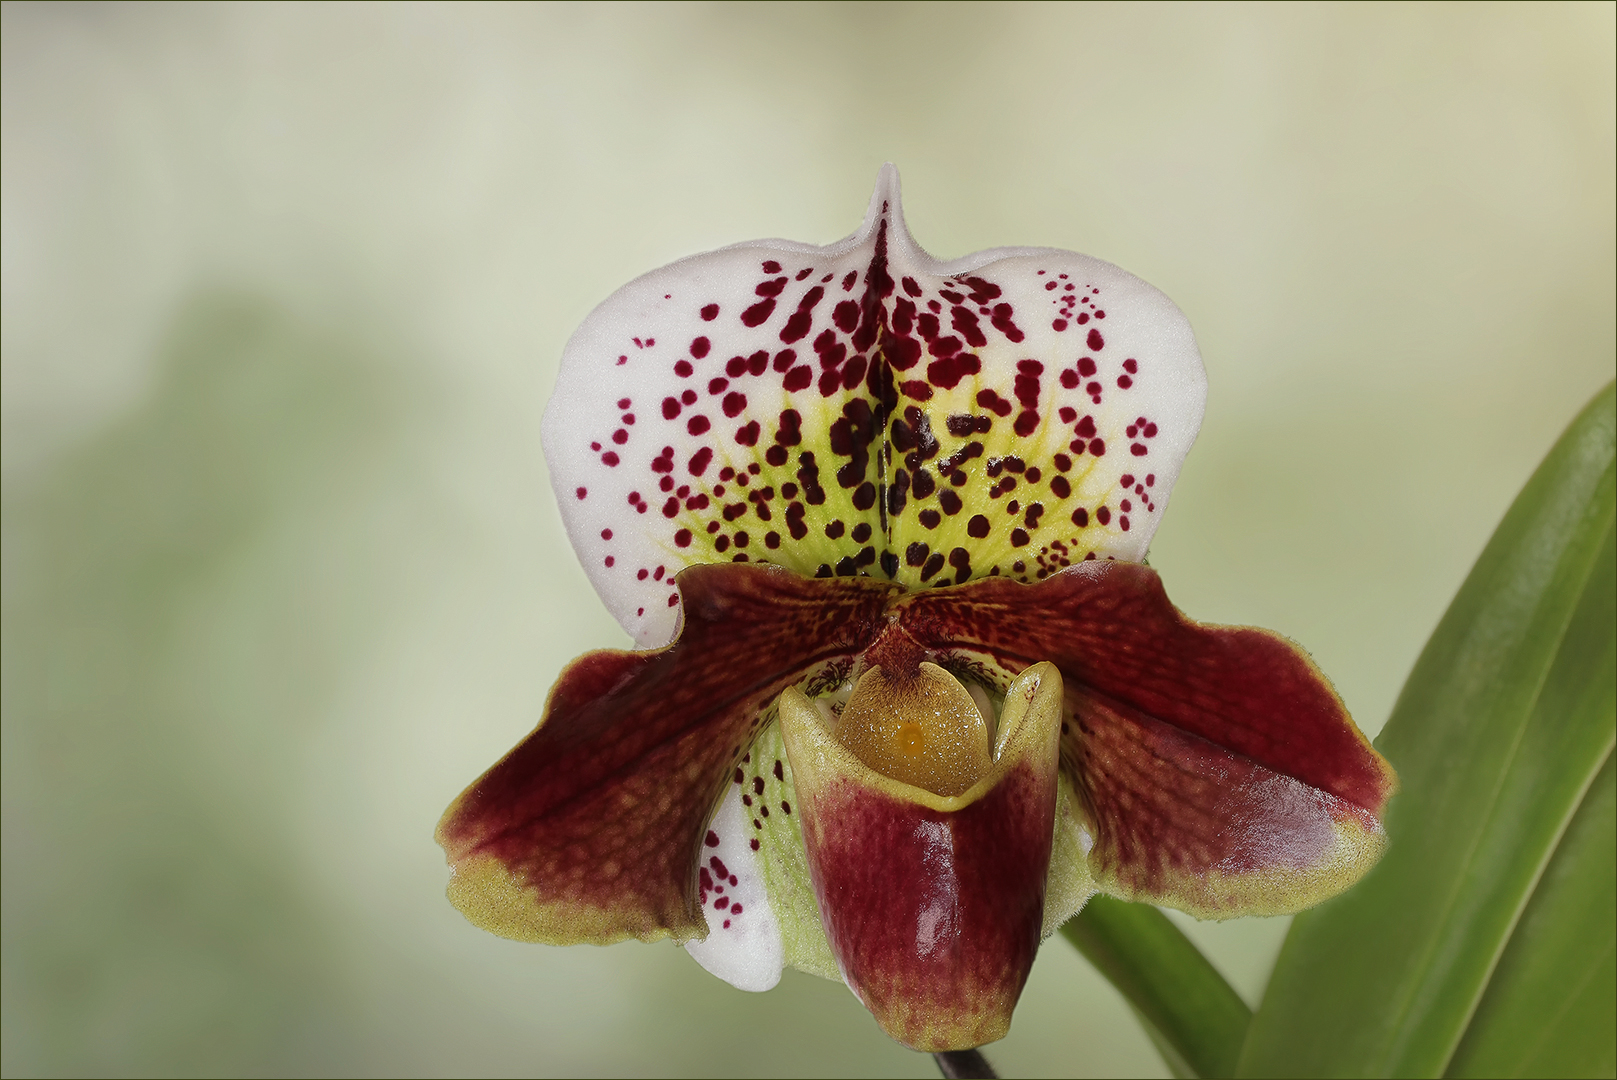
point(911, 739)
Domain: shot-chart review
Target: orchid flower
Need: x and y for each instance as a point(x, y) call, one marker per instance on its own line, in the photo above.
point(906, 694)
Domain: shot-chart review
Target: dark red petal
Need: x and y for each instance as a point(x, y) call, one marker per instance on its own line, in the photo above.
point(1219, 769)
point(1183, 822)
point(1109, 627)
point(590, 829)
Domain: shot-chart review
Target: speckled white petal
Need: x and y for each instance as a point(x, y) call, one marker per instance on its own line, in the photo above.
point(743, 945)
point(863, 408)
point(770, 797)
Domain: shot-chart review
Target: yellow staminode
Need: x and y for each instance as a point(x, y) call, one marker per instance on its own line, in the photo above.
point(924, 730)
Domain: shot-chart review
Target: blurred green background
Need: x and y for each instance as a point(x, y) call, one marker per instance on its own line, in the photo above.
point(284, 292)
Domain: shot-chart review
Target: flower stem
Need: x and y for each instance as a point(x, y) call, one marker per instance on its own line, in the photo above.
point(964, 1065)
point(1192, 1014)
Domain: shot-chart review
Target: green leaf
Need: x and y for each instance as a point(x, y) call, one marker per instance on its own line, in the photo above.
point(1551, 1007)
point(1192, 1015)
point(1499, 732)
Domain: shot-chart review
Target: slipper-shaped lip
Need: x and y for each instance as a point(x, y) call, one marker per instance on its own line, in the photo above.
point(933, 904)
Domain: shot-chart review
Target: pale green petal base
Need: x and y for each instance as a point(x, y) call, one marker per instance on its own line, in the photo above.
point(784, 865)
point(1070, 883)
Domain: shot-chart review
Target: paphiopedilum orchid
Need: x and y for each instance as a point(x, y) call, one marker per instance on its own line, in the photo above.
point(907, 695)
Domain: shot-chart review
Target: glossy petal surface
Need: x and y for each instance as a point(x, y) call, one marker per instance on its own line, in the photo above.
point(933, 904)
point(592, 828)
point(864, 408)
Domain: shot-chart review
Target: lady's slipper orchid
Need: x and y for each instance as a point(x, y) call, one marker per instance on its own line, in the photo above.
point(908, 695)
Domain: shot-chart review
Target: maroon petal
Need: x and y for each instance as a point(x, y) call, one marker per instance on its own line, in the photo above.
point(1220, 770)
point(1184, 822)
point(590, 829)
